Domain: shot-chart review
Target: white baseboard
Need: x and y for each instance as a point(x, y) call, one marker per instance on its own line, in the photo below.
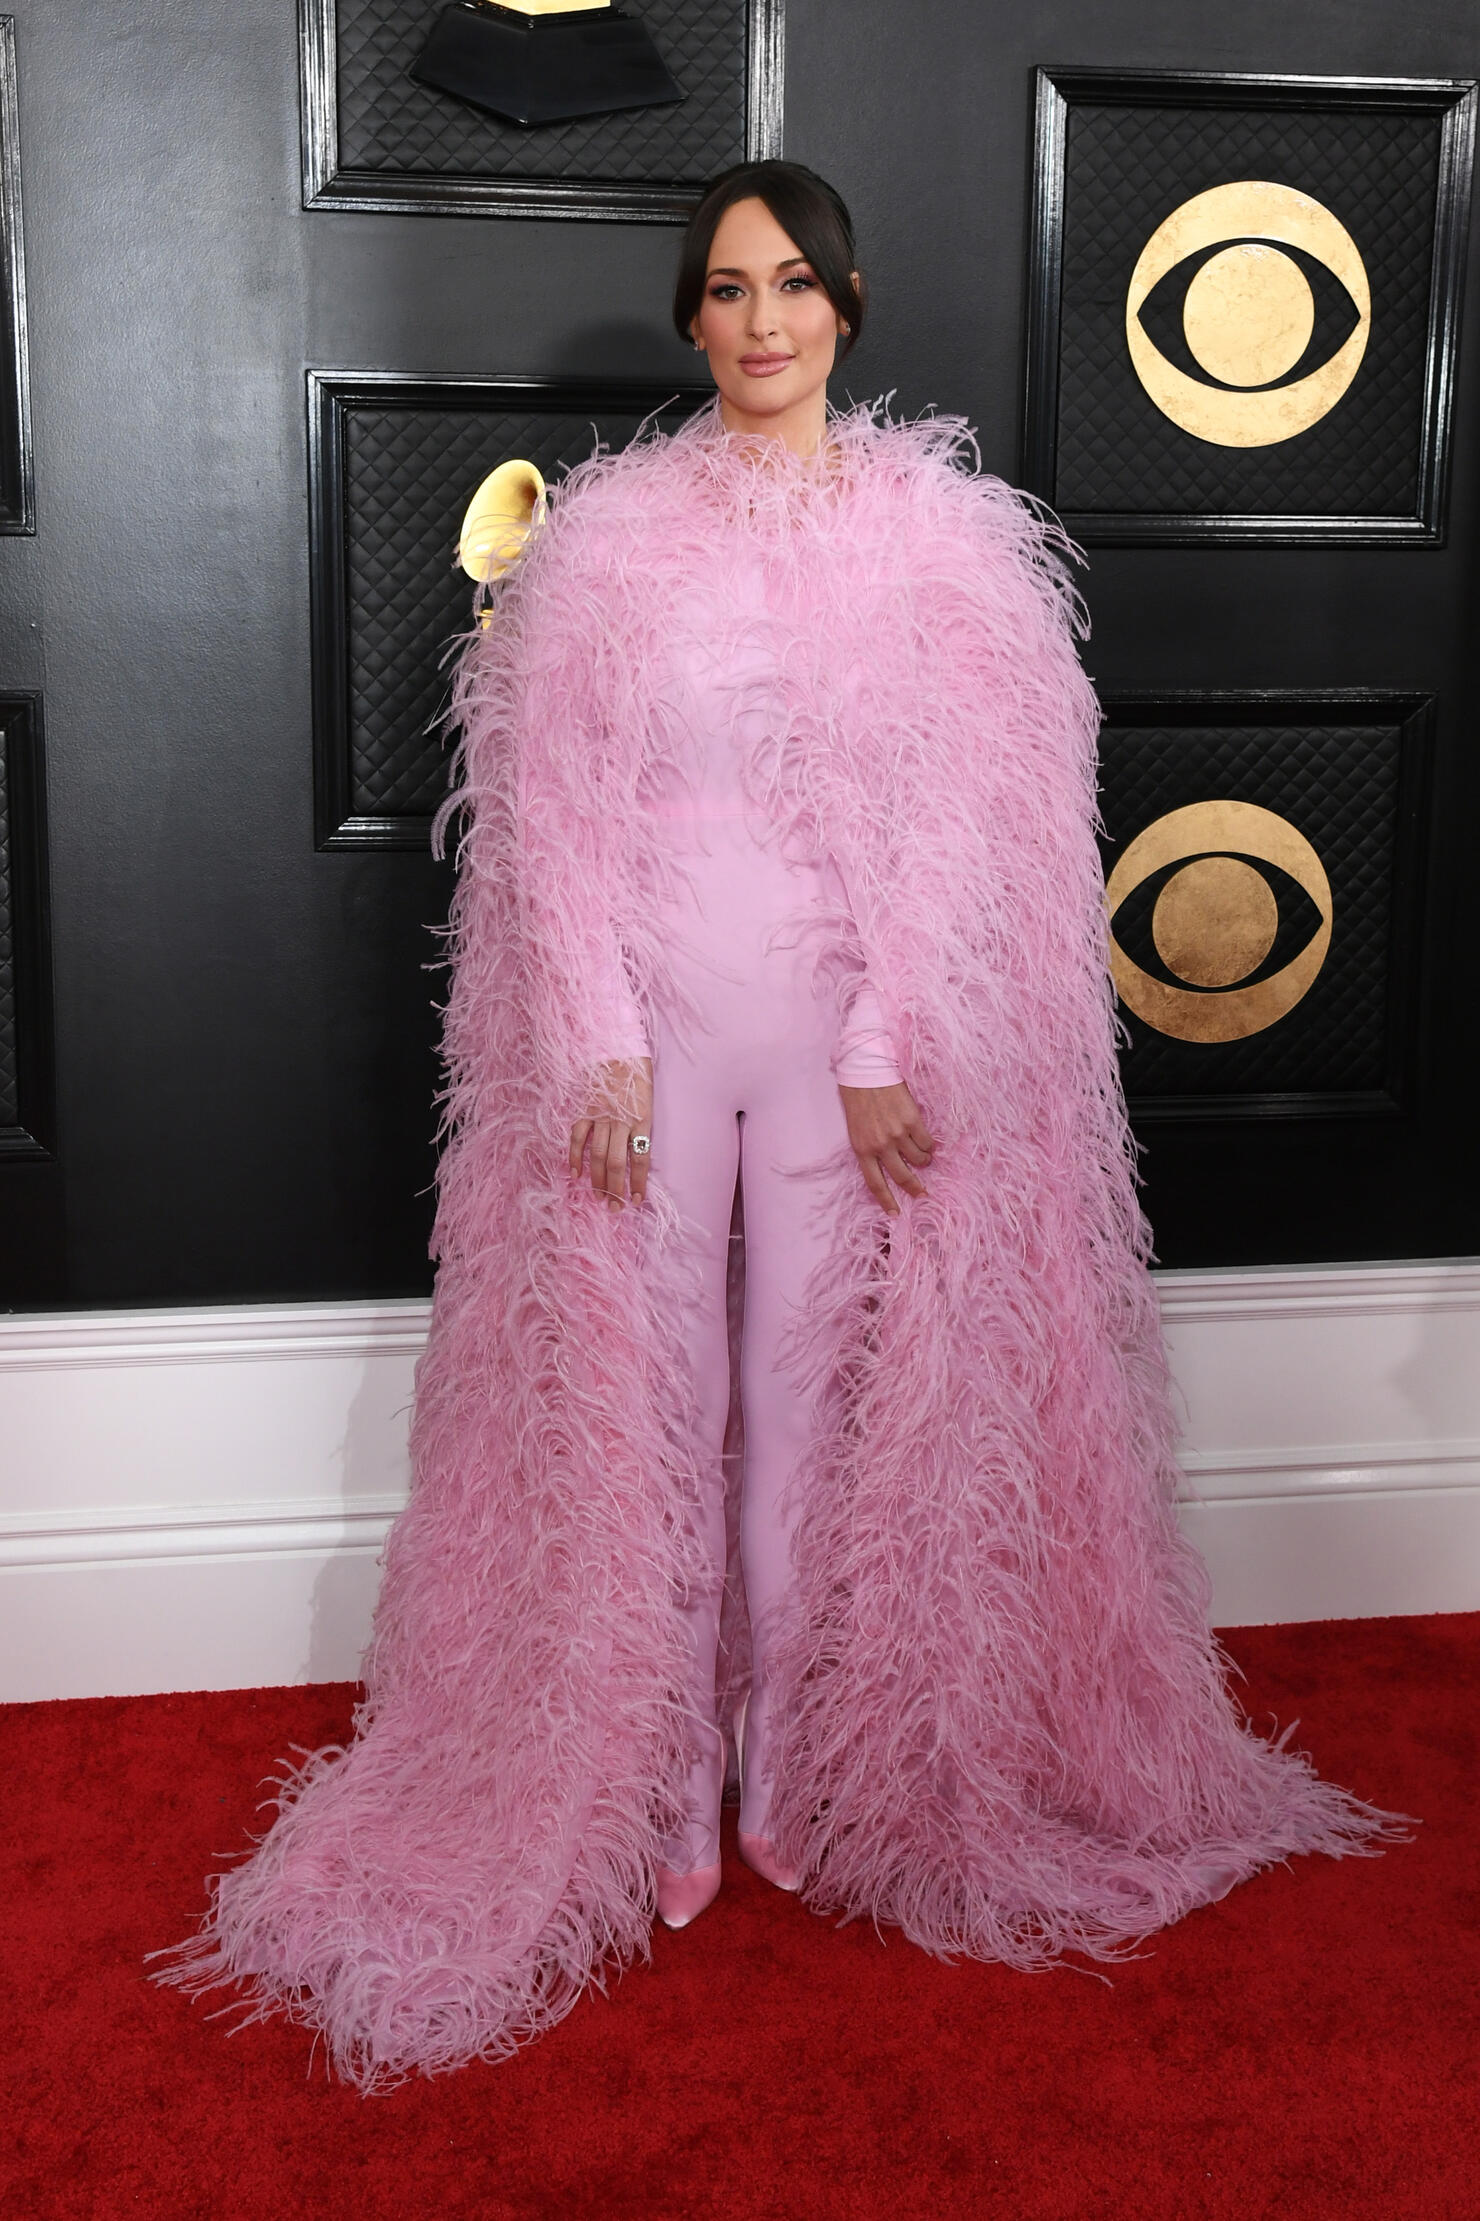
point(197, 1499)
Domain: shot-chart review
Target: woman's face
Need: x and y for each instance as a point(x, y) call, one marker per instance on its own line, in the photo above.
point(768, 328)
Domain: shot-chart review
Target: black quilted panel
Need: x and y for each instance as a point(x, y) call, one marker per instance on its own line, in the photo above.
point(1127, 168)
point(388, 123)
point(10, 1100)
point(1339, 786)
point(409, 475)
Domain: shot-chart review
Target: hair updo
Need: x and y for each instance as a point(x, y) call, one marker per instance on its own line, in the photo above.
point(808, 210)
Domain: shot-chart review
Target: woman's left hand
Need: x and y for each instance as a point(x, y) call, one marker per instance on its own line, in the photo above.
point(889, 1140)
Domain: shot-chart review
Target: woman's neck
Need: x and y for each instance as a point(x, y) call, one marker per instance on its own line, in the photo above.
point(799, 429)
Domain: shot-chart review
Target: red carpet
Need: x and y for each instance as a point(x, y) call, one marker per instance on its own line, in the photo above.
point(1307, 2048)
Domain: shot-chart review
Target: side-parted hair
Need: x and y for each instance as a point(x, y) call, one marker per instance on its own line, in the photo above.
point(808, 211)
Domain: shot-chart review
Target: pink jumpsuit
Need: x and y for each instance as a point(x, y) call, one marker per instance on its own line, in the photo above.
point(758, 1092)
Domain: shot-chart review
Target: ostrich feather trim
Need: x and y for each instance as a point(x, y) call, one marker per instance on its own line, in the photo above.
point(1009, 1730)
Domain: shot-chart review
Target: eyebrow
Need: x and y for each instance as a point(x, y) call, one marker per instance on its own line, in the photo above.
point(726, 272)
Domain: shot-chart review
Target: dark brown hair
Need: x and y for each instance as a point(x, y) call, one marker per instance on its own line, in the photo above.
point(808, 211)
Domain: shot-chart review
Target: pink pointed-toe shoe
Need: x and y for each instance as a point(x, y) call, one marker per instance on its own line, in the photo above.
point(758, 1851)
point(682, 1897)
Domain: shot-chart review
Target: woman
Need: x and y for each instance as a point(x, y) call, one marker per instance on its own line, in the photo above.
point(777, 858)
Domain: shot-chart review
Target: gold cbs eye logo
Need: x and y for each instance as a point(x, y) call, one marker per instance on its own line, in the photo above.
point(1198, 904)
point(1233, 306)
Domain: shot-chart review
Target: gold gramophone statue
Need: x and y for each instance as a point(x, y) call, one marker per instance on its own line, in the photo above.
point(544, 61)
point(506, 509)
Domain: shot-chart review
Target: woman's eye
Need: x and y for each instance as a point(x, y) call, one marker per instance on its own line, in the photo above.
point(797, 279)
point(722, 292)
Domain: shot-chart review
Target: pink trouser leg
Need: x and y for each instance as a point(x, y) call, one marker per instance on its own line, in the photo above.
point(696, 1141)
point(767, 1060)
point(791, 1124)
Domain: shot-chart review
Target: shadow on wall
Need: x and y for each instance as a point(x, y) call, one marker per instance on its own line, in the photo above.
point(1436, 1375)
point(623, 348)
point(374, 1480)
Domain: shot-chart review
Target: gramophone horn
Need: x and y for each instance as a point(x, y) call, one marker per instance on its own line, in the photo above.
point(501, 515)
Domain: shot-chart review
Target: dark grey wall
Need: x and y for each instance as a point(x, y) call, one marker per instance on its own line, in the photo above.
point(245, 1028)
point(947, 108)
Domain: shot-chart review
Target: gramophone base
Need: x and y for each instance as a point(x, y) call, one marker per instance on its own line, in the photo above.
point(543, 69)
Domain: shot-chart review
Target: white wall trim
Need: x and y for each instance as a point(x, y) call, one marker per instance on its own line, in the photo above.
point(56, 1341)
point(1214, 1477)
point(150, 1532)
point(1404, 1289)
point(198, 1498)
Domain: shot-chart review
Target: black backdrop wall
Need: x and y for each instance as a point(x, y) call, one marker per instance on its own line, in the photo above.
point(244, 1021)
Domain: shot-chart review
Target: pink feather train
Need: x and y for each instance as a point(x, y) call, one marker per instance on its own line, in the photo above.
point(1009, 1731)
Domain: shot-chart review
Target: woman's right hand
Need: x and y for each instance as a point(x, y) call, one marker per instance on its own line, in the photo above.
point(620, 1105)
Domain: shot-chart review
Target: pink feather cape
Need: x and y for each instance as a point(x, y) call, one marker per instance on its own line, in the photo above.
point(1008, 1730)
